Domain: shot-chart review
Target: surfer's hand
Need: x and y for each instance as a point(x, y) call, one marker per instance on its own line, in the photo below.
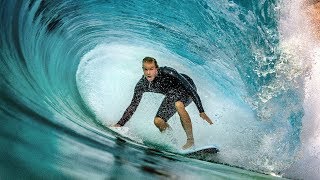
point(116, 125)
point(206, 118)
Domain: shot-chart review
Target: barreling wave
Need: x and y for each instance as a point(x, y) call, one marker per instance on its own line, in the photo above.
point(71, 66)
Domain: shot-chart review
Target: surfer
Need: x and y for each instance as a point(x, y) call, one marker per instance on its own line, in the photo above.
point(179, 90)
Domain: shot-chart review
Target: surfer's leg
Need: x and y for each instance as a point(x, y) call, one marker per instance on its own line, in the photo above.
point(186, 123)
point(165, 112)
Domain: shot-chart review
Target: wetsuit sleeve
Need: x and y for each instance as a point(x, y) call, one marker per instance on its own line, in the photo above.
point(138, 91)
point(187, 86)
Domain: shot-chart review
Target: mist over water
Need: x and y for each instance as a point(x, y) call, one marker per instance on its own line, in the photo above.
point(69, 69)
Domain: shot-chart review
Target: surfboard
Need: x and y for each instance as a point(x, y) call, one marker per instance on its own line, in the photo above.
point(191, 152)
point(121, 130)
point(124, 133)
point(211, 149)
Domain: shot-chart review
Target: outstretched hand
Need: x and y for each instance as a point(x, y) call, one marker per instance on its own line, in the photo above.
point(116, 125)
point(204, 116)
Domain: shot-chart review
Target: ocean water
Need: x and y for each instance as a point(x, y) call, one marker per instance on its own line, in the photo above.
point(68, 70)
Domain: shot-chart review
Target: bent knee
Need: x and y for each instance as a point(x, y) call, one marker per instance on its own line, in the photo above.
point(158, 121)
point(179, 105)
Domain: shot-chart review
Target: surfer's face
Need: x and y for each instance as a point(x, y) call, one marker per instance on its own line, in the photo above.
point(150, 71)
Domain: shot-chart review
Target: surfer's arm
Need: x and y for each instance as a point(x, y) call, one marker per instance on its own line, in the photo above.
point(187, 86)
point(130, 110)
point(137, 96)
point(204, 116)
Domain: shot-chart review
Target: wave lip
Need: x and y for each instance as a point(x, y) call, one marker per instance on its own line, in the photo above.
point(65, 64)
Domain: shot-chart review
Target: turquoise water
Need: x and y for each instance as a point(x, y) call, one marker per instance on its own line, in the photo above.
point(68, 69)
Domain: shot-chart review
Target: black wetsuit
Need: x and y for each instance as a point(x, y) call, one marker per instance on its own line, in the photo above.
point(175, 87)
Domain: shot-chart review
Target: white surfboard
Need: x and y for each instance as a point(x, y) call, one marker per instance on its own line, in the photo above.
point(211, 149)
point(121, 130)
point(125, 132)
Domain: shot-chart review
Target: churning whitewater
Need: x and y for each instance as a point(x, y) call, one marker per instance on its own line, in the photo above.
point(69, 70)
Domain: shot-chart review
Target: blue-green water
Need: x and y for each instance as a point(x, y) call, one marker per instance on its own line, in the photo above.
point(68, 69)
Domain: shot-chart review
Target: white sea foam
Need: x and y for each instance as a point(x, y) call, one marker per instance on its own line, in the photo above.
point(297, 34)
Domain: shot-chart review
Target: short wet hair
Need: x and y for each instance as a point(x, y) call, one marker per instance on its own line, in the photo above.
point(150, 60)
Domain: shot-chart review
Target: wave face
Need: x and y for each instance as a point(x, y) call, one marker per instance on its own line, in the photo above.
point(69, 68)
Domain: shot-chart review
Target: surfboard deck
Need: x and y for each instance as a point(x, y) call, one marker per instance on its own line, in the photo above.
point(124, 132)
point(211, 149)
point(121, 130)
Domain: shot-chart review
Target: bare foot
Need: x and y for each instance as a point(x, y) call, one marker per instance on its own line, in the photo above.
point(190, 143)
